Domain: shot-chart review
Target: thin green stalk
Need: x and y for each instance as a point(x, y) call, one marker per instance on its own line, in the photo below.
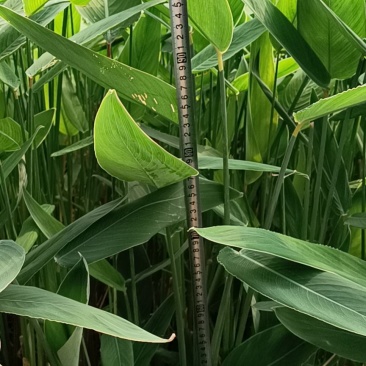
point(245, 311)
point(363, 187)
point(305, 217)
point(280, 179)
point(337, 165)
point(319, 176)
point(179, 313)
point(221, 319)
point(135, 305)
point(225, 152)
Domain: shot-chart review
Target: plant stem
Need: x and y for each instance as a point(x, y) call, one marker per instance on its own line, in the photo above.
point(225, 153)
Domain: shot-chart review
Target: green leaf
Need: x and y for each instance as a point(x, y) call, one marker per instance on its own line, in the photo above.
point(357, 220)
point(32, 6)
point(287, 35)
point(74, 286)
point(159, 323)
point(243, 36)
point(104, 272)
point(46, 223)
point(213, 19)
point(126, 152)
point(36, 303)
point(39, 257)
point(323, 107)
point(321, 295)
point(80, 2)
point(134, 85)
point(12, 161)
point(275, 346)
point(74, 147)
point(135, 223)
point(116, 352)
point(45, 120)
point(337, 53)
point(314, 255)
point(10, 135)
point(8, 76)
point(11, 261)
point(29, 232)
point(345, 344)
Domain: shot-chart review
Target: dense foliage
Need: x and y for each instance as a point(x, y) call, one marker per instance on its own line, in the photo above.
point(94, 266)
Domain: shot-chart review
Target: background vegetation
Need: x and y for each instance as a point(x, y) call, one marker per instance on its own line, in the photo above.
point(94, 266)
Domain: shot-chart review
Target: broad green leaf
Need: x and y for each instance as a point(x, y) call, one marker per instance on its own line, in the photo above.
point(134, 85)
point(288, 36)
point(88, 36)
point(36, 303)
point(345, 344)
point(321, 295)
point(159, 323)
point(13, 160)
point(11, 261)
point(104, 272)
point(157, 210)
point(213, 19)
point(40, 256)
point(8, 76)
point(45, 120)
point(11, 40)
point(243, 36)
point(313, 255)
point(10, 135)
point(29, 232)
point(285, 67)
point(126, 152)
point(323, 107)
point(275, 346)
point(74, 147)
point(237, 10)
point(135, 223)
point(32, 6)
point(46, 223)
point(116, 352)
point(337, 53)
point(74, 286)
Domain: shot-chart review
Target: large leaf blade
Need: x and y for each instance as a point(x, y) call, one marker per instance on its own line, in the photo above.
point(321, 295)
point(40, 304)
point(109, 73)
point(12, 258)
point(286, 34)
point(126, 152)
point(313, 255)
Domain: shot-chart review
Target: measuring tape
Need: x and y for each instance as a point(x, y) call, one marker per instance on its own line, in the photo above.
point(186, 100)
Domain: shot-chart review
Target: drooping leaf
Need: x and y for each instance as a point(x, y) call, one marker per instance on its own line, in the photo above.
point(345, 344)
point(314, 255)
point(357, 220)
point(323, 107)
point(74, 147)
point(104, 272)
point(337, 53)
point(134, 85)
point(36, 303)
point(243, 36)
point(126, 152)
point(45, 120)
point(213, 19)
point(321, 295)
point(274, 346)
point(287, 35)
point(11, 260)
point(8, 76)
